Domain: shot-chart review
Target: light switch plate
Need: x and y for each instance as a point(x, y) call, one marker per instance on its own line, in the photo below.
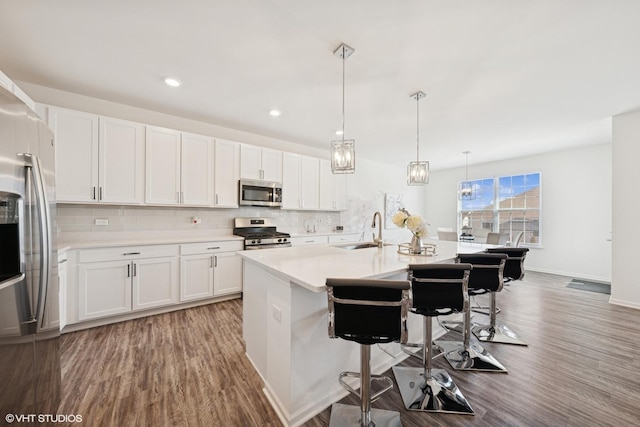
point(102, 221)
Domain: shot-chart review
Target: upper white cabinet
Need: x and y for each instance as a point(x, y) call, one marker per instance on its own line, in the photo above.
point(260, 163)
point(98, 159)
point(333, 188)
point(226, 173)
point(179, 168)
point(300, 186)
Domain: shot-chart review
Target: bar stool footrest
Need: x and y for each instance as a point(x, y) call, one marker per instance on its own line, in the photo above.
point(474, 358)
point(374, 396)
point(349, 416)
point(499, 334)
point(436, 394)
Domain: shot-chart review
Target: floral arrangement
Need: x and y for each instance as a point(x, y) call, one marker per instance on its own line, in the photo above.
point(414, 223)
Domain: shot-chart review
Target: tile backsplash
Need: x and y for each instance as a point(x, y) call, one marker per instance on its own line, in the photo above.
point(83, 218)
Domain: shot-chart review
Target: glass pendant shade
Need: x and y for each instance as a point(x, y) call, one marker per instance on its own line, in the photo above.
point(418, 173)
point(343, 156)
point(466, 191)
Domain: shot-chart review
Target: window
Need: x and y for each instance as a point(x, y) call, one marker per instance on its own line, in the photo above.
point(507, 204)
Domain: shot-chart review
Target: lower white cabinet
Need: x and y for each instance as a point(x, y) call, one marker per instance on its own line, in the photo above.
point(104, 289)
point(210, 269)
point(123, 279)
point(308, 240)
point(155, 282)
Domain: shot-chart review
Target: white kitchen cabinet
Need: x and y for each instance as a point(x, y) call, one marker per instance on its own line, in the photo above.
point(260, 163)
point(179, 168)
point(227, 273)
point(76, 142)
point(210, 269)
point(309, 240)
point(196, 277)
point(98, 159)
point(104, 289)
point(62, 287)
point(344, 238)
point(226, 173)
point(155, 282)
point(300, 182)
point(333, 188)
point(119, 280)
point(121, 161)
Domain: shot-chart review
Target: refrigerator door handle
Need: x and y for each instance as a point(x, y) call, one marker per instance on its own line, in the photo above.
point(44, 226)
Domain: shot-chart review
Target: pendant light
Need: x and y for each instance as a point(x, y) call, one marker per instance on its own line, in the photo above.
point(343, 151)
point(418, 172)
point(466, 187)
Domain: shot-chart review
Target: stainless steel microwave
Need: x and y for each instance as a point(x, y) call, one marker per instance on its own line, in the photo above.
point(260, 193)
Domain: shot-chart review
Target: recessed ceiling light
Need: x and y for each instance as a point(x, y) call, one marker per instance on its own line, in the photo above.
point(275, 113)
point(339, 132)
point(171, 81)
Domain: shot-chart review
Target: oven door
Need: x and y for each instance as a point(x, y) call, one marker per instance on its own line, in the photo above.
point(260, 193)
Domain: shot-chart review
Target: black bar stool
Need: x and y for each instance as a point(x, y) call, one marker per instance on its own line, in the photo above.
point(486, 276)
point(513, 270)
point(366, 311)
point(436, 289)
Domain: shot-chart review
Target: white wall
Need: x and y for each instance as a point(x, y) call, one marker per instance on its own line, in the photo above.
point(625, 288)
point(367, 190)
point(576, 207)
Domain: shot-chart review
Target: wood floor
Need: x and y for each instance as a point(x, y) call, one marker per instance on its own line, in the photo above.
point(188, 368)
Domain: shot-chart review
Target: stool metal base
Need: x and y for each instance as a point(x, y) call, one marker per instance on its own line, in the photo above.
point(498, 334)
point(438, 394)
point(474, 358)
point(349, 416)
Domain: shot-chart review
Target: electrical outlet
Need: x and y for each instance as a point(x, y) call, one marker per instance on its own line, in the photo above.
point(195, 220)
point(277, 313)
point(102, 221)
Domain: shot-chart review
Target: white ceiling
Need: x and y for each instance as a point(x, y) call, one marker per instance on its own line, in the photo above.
point(503, 78)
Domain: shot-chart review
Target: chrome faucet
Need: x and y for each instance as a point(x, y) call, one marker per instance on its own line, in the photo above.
point(377, 240)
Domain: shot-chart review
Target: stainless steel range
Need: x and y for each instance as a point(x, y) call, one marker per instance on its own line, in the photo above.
point(260, 233)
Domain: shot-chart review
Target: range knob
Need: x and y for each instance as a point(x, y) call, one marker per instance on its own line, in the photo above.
point(284, 240)
point(253, 241)
point(279, 240)
point(259, 240)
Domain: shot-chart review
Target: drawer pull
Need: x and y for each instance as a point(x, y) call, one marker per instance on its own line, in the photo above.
point(215, 247)
point(131, 253)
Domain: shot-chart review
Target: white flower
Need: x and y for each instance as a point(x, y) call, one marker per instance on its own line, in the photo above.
point(399, 218)
point(403, 219)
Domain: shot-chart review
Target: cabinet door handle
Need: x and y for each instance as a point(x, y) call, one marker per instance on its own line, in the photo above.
point(128, 270)
point(134, 270)
point(211, 261)
point(182, 197)
point(131, 253)
point(178, 196)
point(216, 199)
point(215, 261)
point(100, 193)
point(93, 197)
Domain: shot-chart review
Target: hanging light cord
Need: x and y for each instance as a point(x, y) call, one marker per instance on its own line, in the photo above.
point(417, 127)
point(344, 54)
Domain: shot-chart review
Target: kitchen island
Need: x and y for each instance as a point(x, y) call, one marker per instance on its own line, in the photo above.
point(285, 319)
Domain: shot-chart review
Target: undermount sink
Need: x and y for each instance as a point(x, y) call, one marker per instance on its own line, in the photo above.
point(364, 245)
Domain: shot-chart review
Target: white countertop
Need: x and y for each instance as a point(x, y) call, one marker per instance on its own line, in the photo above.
point(310, 266)
point(110, 239)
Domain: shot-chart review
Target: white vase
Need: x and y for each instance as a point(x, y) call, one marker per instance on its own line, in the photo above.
point(415, 247)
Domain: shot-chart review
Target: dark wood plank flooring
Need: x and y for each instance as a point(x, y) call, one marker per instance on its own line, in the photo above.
point(188, 368)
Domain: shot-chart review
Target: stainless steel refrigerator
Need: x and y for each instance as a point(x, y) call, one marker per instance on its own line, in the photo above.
point(29, 305)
